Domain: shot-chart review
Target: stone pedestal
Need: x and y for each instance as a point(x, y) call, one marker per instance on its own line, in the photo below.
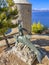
point(18, 55)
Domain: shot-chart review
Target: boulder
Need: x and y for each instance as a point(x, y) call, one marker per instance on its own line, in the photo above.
point(18, 55)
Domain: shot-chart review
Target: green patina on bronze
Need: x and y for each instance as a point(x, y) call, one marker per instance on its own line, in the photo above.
point(26, 41)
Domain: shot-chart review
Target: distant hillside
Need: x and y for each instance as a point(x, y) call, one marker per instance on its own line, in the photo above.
point(39, 10)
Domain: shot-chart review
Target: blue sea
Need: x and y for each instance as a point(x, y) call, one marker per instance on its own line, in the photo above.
point(42, 16)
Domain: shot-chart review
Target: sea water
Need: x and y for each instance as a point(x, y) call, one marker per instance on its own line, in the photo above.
point(41, 16)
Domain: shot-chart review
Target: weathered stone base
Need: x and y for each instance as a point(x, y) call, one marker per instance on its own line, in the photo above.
point(18, 55)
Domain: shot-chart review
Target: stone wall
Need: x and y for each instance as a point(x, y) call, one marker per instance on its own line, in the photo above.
point(25, 14)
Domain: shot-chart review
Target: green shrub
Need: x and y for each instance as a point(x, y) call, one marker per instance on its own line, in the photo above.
point(37, 27)
point(34, 27)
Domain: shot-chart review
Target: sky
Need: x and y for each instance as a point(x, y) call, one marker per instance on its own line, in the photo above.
point(40, 4)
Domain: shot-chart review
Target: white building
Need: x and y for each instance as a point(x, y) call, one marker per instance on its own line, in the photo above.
point(25, 13)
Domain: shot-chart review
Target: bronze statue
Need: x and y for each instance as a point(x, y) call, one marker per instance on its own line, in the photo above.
point(26, 41)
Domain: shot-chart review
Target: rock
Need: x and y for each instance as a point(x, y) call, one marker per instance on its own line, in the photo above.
point(18, 55)
point(45, 31)
point(19, 46)
point(45, 61)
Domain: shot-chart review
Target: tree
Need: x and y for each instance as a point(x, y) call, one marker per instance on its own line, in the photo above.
point(8, 11)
